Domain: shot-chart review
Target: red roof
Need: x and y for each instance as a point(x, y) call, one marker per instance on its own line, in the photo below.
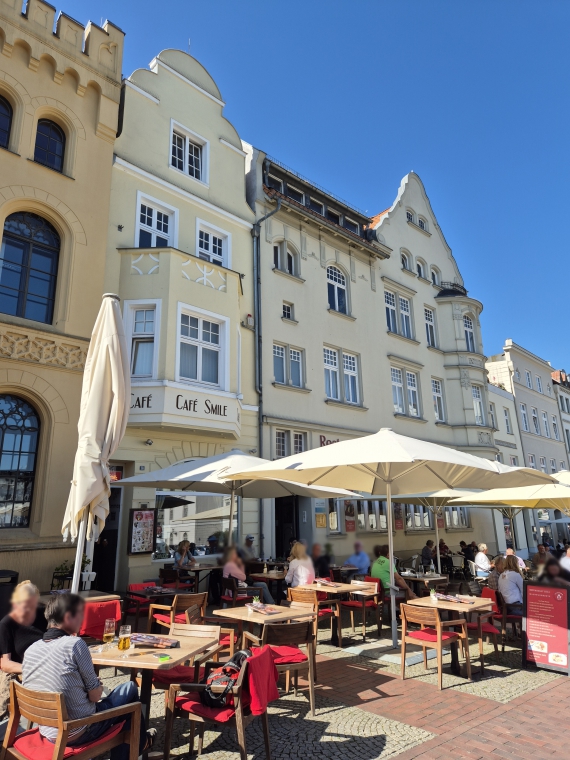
point(376, 219)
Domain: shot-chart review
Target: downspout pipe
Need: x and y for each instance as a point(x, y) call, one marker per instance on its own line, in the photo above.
point(255, 234)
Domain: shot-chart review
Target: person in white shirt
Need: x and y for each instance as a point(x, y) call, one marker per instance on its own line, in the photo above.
point(511, 586)
point(565, 559)
point(482, 563)
point(301, 568)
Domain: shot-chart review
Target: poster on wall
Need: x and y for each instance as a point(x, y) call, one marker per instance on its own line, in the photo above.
point(349, 516)
point(142, 531)
point(398, 517)
point(440, 522)
point(545, 625)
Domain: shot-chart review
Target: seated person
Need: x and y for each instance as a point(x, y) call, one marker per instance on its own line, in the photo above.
point(61, 662)
point(247, 552)
point(321, 562)
point(360, 560)
point(493, 578)
point(17, 633)
point(466, 551)
point(183, 558)
point(483, 564)
point(539, 559)
point(233, 568)
point(554, 574)
point(565, 560)
point(427, 554)
point(511, 586)
point(511, 553)
point(445, 556)
point(301, 568)
point(381, 569)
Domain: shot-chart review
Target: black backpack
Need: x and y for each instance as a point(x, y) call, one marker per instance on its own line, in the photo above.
point(225, 676)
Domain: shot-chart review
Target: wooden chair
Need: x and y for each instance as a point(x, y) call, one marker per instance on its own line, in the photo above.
point(484, 627)
point(325, 609)
point(166, 615)
point(234, 595)
point(336, 575)
point(366, 603)
point(500, 613)
point(237, 717)
point(134, 605)
point(432, 635)
point(228, 636)
point(49, 709)
point(458, 566)
point(189, 671)
point(285, 641)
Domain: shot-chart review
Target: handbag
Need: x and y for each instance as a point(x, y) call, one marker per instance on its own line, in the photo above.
point(225, 677)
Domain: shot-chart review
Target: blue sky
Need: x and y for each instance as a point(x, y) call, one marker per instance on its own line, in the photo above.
point(473, 96)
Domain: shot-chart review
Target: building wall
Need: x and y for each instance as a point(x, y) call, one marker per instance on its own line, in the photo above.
point(71, 77)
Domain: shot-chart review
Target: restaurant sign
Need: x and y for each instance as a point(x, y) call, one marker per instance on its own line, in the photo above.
point(172, 405)
point(546, 641)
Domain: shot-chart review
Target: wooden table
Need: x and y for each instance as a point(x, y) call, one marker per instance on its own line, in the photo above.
point(339, 588)
point(425, 579)
point(456, 609)
point(153, 593)
point(278, 576)
point(89, 596)
point(247, 615)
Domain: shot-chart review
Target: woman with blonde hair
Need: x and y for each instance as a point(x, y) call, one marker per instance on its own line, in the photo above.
point(301, 568)
point(183, 558)
point(17, 633)
point(511, 586)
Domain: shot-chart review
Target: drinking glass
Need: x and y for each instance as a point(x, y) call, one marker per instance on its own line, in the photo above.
point(108, 634)
point(124, 640)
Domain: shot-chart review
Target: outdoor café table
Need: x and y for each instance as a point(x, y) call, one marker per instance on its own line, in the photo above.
point(277, 576)
point(196, 569)
point(246, 615)
point(456, 610)
point(89, 596)
point(153, 593)
point(424, 579)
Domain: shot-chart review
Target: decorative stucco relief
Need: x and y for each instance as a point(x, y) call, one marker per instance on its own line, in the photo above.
point(55, 352)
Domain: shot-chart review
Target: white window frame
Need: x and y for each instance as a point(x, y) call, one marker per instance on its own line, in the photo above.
point(555, 428)
point(336, 287)
point(287, 361)
point(397, 382)
point(567, 431)
point(391, 312)
point(157, 205)
point(435, 276)
point(332, 370)
point(478, 404)
point(375, 508)
point(462, 515)
point(225, 348)
point(211, 229)
point(422, 224)
point(417, 518)
point(552, 466)
point(438, 400)
point(280, 353)
point(514, 461)
point(543, 465)
point(532, 461)
point(493, 415)
point(288, 307)
point(410, 216)
point(341, 372)
point(405, 257)
point(296, 437)
point(469, 331)
point(524, 418)
point(283, 252)
point(282, 436)
point(354, 222)
point(508, 424)
point(194, 137)
point(528, 378)
point(421, 268)
point(535, 420)
point(545, 424)
point(295, 190)
point(538, 383)
point(413, 394)
point(406, 317)
point(277, 181)
point(129, 308)
point(347, 373)
point(562, 465)
point(429, 318)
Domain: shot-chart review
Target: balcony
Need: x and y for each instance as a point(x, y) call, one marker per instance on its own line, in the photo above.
point(451, 289)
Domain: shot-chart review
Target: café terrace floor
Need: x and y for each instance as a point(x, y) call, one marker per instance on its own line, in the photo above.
point(364, 711)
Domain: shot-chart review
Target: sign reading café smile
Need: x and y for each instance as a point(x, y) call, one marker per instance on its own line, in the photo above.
point(169, 405)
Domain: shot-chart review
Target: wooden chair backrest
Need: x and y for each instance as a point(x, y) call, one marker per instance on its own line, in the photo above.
point(229, 584)
point(183, 601)
point(302, 595)
point(291, 634)
point(474, 588)
point(46, 708)
point(167, 574)
point(420, 615)
point(193, 615)
point(336, 575)
point(255, 567)
point(184, 630)
point(370, 586)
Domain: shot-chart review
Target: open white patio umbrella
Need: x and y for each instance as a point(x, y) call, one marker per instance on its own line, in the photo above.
point(103, 415)
point(214, 475)
point(388, 463)
point(435, 501)
point(544, 496)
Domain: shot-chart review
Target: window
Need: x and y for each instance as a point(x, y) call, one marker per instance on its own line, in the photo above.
point(538, 384)
point(412, 386)
point(296, 194)
point(188, 154)
point(287, 310)
point(562, 465)
point(532, 461)
point(410, 216)
point(422, 224)
point(371, 515)
point(508, 425)
point(334, 515)
point(19, 437)
point(351, 226)
point(5, 122)
point(514, 461)
point(350, 368)
point(543, 464)
point(469, 334)
point(545, 424)
point(184, 511)
point(437, 395)
point(200, 345)
point(397, 390)
point(333, 216)
point(430, 326)
point(435, 278)
point(405, 317)
point(316, 206)
point(457, 518)
point(285, 259)
point(288, 366)
point(404, 258)
point(299, 443)
point(499, 457)
point(524, 418)
point(555, 429)
point(28, 267)
point(478, 405)
point(420, 270)
point(154, 227)
point(331, 373)
point(418, 517)
point(50, 145)
point(275, 183)
point(336, 283)
point(142, 347)
point(295, 367)
point(211, 247)
point(492, 415)
point(567, 437)
point(279, 364)
point(280, 443)
point(518, 375)
point(528, 378)
point(549, 389)
point(390, 303)
point(535, 422)
point(553, 465)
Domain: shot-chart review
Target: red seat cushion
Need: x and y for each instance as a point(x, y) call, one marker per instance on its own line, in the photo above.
point(229, 599)
point(33, 745)
point(485, 628)
point(179, 674)
point(286, 655)
point(95, 615)
point(325, 611)
point(225, 641)
point(358, 605)
point(191, 703)
point(180, 618)
point(322, 596)
point(430, 634)
point(514, 618)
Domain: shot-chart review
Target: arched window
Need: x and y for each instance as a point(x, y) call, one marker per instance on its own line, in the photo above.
point(435, 276)
point(284, 258)
point(19, 433)
point(50, 145)
point(28, 267)
point(421, 269)
point(5, 122)
point(337, 290)
point(469, 334)
point(405, 261)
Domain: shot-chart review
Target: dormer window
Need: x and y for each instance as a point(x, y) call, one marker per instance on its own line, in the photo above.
point(333, 216)
point(296, 195)
point(275, 183)
point(189, 152)
point(315, 206)
point(351, 226)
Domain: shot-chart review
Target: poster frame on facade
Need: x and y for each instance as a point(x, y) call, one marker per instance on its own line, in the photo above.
point(131, 551)
point(565, 669)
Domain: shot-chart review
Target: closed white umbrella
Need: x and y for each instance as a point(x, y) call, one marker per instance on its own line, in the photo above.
point(388, 463)
point(214, 475)
point(103, 416)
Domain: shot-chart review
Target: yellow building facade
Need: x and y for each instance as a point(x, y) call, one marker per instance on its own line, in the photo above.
point(180, 256)
point(59, 103)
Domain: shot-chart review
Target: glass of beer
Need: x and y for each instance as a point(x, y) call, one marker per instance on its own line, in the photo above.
point(124, 640)
point(108, 633)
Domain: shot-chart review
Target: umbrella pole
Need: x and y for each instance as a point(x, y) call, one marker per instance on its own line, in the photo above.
point(435, 514)
point(391, 555)
point(79, 553)
point(512, 530)
point(232, 508)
